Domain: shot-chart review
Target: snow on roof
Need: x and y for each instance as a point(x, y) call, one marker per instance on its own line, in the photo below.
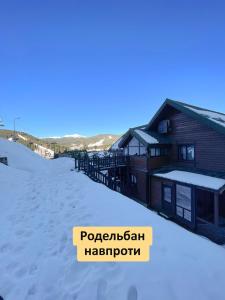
point(215, 117)
point(209, 182)
point(115, 146)
point(146, 137)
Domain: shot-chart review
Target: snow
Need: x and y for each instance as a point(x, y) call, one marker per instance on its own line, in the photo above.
point(115, 146)
point(76, 147)
point(147, 137)
point(22, 137)
point(97, 144)
point(43, 151)
point(75, 135)
point(193, 178)
point(218, 118)
point(42, 200)
point(21, 157)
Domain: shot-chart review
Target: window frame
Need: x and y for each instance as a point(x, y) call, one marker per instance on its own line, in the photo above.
point(133, 179)
point(181, 207)
point(141, 149)
point(162, 152)
point(185, 146)
point(166, 186)
point(163, 126)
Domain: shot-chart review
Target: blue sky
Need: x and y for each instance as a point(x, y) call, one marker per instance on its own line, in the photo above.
point(95, 66)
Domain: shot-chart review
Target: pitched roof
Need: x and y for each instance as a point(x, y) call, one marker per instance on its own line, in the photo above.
point(115, 145)
point(145, 137)
point(213, 119)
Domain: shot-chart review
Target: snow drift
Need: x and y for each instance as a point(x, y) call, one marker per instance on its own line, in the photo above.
point(40, 203)
point(21, 157)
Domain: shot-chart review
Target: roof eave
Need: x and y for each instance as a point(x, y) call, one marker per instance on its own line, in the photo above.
point(181, 107)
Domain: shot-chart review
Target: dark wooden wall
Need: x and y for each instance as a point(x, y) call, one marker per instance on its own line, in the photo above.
point(209, 144)
point(157, 162)
point(222, 205)
point(155, 200)
point(138, 190)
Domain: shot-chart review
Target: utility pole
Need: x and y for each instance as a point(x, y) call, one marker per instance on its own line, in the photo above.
point(14, 123)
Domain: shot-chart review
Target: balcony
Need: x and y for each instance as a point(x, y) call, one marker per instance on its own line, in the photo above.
point(148, 163)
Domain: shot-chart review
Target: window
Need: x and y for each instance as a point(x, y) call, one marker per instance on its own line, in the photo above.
point(134, 147)
point(133, 179)
point(158, 152)
point(186, 152)
point(163, 126)
point(167, 193)
point(183, 202)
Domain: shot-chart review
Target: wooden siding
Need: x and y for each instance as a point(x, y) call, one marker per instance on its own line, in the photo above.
point(222, 205)
point(158, 162)
point(156, 192)
point(138, 190)
point(209, 144)
point(138, 162)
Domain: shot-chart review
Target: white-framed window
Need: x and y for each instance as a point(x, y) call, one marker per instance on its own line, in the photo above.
point(134, 147)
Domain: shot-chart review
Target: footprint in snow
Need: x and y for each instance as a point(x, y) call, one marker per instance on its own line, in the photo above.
point(5, 248)
point(132, 293)
point(101, 290)
point(33, 269)
point(21, 272)
point(63, 242)
point(12, 266)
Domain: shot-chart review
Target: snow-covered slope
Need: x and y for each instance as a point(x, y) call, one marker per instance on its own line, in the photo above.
point(40, 203)
point(21, 157)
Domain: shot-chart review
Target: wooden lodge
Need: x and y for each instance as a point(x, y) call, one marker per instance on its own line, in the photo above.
point(174, 165)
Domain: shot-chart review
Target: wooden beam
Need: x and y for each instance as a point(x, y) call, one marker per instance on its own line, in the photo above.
point(216, 209)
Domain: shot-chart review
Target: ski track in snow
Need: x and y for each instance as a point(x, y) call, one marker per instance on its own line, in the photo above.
point(48, 201)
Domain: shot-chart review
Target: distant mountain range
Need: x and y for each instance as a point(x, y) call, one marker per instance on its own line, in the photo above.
point(76, 141)
point(75, 135)
point(68, 142)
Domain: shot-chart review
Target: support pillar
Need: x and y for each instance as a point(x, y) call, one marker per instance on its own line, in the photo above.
point(216, 209)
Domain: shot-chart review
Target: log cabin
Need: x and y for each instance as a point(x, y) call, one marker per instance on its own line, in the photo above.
point(176, 166)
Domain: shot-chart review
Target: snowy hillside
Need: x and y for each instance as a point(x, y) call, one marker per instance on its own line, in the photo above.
point(42, 200)
point(75, 141)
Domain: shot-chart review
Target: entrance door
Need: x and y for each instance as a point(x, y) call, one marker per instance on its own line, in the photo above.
point(167, 201)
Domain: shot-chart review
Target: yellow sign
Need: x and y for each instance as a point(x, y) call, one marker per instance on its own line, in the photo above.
point(112, 243)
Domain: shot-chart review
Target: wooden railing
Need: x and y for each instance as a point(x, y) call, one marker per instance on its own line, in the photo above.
point(100, 163)
point(93, 167)
point(107, 180)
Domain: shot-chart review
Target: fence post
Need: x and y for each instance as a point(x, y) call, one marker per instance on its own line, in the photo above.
point(79, 163)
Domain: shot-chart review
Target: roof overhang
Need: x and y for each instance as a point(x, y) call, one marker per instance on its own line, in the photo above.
point(210, 183)
point(129, 135)
point(183, 107)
